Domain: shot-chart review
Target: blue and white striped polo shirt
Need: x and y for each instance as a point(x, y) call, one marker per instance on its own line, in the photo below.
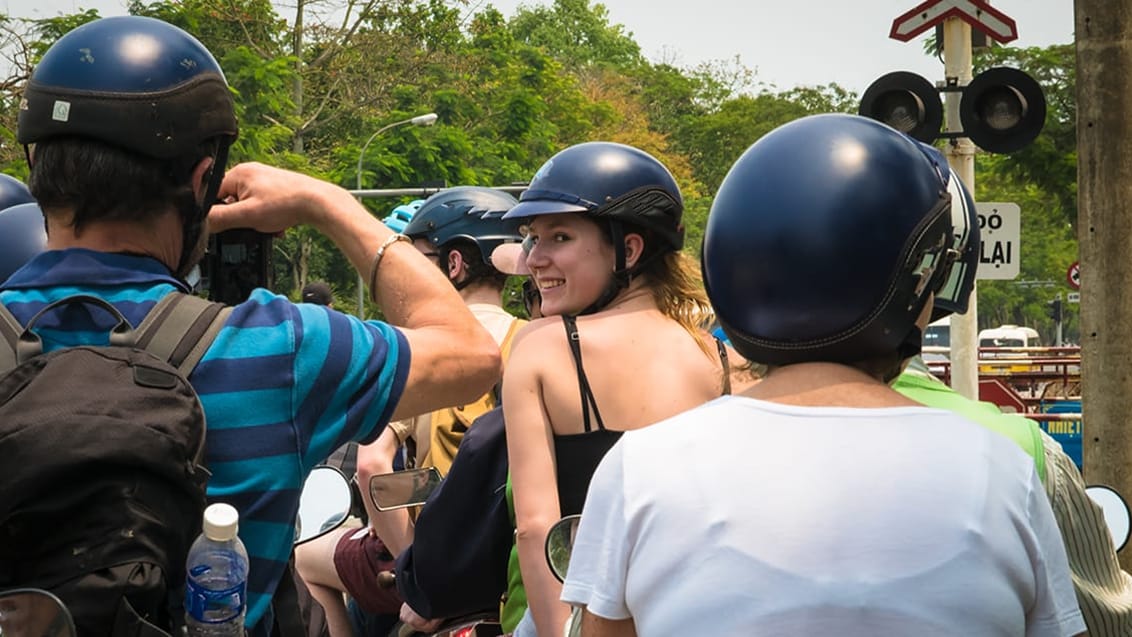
point(282, 386)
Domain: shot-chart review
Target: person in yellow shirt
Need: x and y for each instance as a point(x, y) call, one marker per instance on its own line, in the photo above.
point(457, 229)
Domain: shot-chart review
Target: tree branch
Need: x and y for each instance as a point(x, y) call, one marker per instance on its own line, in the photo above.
point(248, 35)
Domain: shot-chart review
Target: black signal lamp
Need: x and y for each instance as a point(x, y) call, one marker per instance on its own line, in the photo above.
point(905, 101)
point(1054, 309)
point(1002, 110)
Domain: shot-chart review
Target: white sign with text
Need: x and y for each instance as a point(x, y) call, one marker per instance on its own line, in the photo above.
point(1000, 233)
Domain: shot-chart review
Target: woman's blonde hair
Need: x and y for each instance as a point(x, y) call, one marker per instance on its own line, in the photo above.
point(676, 285)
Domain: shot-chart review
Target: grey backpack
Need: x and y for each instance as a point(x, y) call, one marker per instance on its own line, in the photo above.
point(103, 455)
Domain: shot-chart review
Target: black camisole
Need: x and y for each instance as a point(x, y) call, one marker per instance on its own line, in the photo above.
point(577, 455)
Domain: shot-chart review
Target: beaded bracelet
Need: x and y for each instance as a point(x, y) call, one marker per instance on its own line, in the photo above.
point(393, 238)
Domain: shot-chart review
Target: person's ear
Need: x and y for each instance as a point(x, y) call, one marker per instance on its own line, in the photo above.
point(634, 247)
point(201, 173)
point(456, 264)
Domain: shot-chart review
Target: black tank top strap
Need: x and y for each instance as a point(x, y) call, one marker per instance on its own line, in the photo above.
point(723, 363)
point(588, 401)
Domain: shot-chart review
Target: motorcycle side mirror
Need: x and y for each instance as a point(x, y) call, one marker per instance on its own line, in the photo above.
point(1116, 513)
point(324, 504)
point(560, 543)
point(401, 489)
point(34, 613)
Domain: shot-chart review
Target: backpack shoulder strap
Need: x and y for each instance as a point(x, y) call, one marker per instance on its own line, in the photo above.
point(180, 328)
point(10, 330)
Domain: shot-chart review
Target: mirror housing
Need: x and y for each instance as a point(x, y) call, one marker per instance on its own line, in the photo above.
point(560, 544)
point(401, 489)
point(34, 612)
point(324, 503)
point(1116, 513)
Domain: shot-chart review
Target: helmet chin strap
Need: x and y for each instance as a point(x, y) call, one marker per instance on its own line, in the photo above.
point(621, 275)
point(908, 348)
point(194, 219)
point(619, 281)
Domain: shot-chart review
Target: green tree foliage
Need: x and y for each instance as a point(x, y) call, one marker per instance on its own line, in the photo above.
point(1042, 179)
point(714, 141)
point(577, 33)
point(246, 37)
point(1050, 162)
point(313, 86)
point(47, 30)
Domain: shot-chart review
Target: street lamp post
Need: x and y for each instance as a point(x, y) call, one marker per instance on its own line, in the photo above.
point(428, 119)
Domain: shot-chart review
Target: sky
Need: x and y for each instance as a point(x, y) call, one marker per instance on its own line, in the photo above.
point(786, 42)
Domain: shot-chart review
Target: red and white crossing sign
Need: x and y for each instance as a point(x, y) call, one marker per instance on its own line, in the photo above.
point(977, 13)
point(992, 390)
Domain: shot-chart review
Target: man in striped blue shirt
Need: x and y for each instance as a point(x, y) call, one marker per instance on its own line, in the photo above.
point(127, 146)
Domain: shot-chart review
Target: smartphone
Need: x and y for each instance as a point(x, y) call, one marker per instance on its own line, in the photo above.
point(237, 262)
point(402, 489)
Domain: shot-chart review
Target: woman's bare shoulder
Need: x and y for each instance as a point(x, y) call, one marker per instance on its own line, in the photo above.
point(539, 337)
point(541, 328)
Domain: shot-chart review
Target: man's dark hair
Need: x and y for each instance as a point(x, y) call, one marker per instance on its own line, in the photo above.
point(102, 182)
point(317, 292)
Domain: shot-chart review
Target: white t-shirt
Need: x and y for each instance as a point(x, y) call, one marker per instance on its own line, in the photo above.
point(744, 517)
point(493, 318)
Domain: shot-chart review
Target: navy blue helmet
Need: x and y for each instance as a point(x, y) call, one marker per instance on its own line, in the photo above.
point(608, 181)
point(140, 84)
point(615, 184)
point(471, 213)
point(130, 81)
point(13, 192)
point(825, 240)
point(955, 295)
point(22, 236)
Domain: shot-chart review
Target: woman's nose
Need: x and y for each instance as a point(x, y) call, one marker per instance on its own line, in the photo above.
point(536, 255)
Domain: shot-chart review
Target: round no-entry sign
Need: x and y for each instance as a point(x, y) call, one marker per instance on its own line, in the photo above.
point(1073, 276)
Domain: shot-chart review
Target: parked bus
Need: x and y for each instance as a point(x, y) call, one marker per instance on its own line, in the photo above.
point(938, 333)
point(1009, 336)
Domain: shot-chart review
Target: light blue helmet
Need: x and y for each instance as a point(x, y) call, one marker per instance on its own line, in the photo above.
point(400, 216)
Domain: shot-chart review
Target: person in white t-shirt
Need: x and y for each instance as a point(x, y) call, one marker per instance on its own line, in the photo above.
point(849, 509)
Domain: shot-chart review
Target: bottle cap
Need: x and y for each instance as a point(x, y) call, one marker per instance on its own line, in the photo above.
point(221, 521)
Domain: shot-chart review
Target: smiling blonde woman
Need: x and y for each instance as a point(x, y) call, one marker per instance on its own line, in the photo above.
point(603, 239)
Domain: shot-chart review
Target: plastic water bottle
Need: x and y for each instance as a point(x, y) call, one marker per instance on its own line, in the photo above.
point(217, 582)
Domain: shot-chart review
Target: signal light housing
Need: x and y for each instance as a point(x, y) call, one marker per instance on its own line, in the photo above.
point(1002, 110)
point(905, 101)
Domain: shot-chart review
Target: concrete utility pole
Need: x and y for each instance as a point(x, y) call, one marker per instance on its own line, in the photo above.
point(1104, 186)
point(961, 157)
